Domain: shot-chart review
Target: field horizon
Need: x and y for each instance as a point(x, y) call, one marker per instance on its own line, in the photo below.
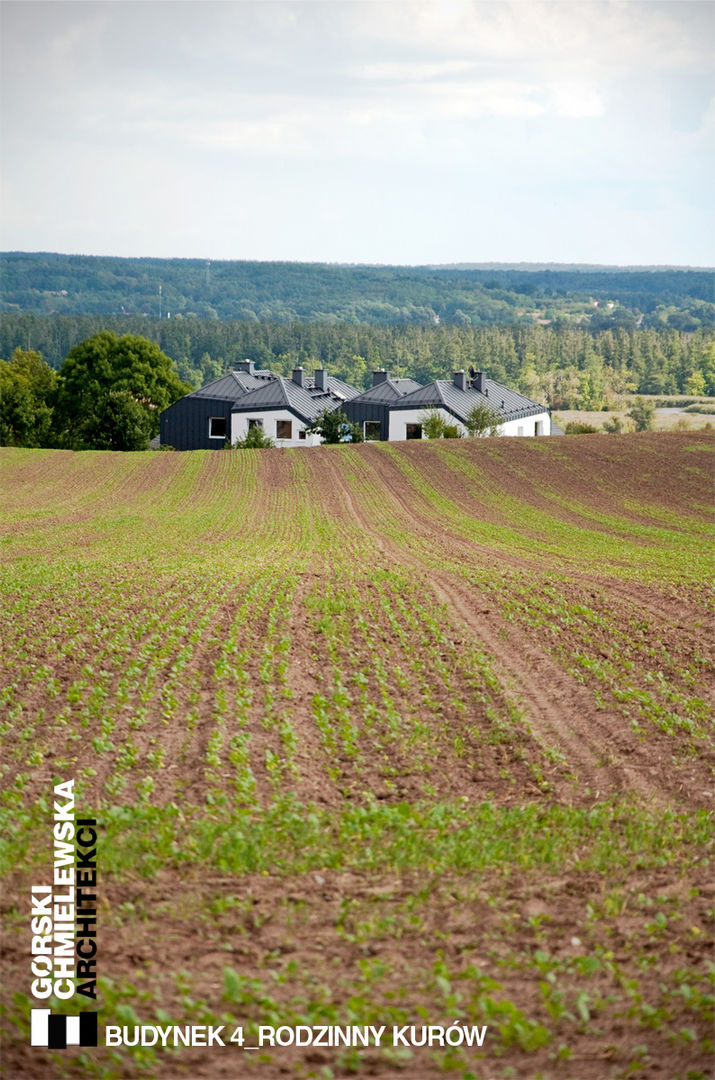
point(402, 733)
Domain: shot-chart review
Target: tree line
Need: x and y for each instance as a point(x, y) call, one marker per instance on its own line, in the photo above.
point(107, 395)
point(565, 367)
point(599, 298)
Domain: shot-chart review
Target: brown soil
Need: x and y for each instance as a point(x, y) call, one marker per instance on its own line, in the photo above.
point(412, 513)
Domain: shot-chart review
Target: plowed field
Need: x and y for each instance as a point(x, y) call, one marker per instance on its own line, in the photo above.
point(389, 734)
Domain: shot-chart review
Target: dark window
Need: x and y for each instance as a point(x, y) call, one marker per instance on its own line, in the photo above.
point(414, 431)
point(373, 430)
point(301, 433)
point(284, 429)
point(217, 427)
point(253, 422)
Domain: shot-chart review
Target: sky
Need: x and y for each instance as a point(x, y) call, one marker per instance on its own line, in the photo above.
point(360, 131)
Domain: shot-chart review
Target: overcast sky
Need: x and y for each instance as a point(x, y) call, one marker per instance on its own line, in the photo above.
point(365, 131)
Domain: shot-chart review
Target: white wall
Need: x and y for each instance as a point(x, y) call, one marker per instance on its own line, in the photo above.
point(528, 425)
point(239, 427)
point(399, 418)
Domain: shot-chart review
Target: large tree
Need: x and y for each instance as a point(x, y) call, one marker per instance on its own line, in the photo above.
point(27, 392)
point(112, 392)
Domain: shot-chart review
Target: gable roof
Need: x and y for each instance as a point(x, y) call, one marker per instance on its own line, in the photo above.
point(442, 393)
point(280, 393)
point(233, 385)
point(387, 391)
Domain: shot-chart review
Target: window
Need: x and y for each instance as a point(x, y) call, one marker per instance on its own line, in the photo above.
point(520, 429)
point(217, 427)
point(414, 431)
point(539, 427)
point(373, 430)
point(254, 422)
point(301, 433)
point(284, 429)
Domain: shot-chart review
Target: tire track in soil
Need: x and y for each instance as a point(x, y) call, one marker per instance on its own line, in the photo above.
point(415, 515)
point(560, 710)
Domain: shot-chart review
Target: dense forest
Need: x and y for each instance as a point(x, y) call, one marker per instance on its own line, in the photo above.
point(563, 365)
point(470, 296)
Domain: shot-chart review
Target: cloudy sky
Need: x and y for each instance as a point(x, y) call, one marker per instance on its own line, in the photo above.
point(361, 130)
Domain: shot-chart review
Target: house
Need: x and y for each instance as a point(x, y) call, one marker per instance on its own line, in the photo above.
point(285, 408)
point(455, 401)
point(371, 409)
point(391, 409)
point(225, 408)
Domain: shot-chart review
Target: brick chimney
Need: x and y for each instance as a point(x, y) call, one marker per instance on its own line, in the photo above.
point(379, 376)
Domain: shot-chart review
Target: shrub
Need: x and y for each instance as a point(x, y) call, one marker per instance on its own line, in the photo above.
point(577, 428)
point(255, 439)
point(333, 427)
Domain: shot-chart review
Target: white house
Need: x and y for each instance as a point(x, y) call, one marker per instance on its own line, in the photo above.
point(285, 408)
point(454, 401)
point(392, 409)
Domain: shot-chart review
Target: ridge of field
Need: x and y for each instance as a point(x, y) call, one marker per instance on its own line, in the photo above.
point(390, 733)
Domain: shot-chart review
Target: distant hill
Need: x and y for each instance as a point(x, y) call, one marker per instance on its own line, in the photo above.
point(468, 295)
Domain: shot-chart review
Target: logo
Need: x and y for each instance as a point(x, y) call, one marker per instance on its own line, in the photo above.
point(57, 1032)
point(63, 931)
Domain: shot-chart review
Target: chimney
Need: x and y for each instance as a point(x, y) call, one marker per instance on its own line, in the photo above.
point(379, 376)
point(298, 375)
point(478, 382)
point(320, 380)
point(460, 379)
point(247, 366)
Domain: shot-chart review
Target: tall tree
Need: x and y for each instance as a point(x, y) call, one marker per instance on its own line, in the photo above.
point(112, 391)
point(27, 394)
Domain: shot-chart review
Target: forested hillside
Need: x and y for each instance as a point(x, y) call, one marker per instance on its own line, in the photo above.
point(601, 298)
point(565, 366)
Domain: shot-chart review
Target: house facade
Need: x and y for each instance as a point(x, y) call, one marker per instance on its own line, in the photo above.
point(226, 408)
point(455, 401)
point(371, 409)
point(392, 409)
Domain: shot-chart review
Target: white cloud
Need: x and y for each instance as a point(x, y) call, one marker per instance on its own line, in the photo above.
point(309, 106)
point(575, 99)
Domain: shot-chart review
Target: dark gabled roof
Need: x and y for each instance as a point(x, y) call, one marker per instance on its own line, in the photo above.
point(507, 403)
point(282, 393)
point(229, 387)
point(386, 392)
point(234, 385)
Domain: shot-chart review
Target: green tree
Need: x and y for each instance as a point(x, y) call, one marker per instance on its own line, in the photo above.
point(334, 427)
point(695, 384)
point(112, 391)
point(433, 423)
point(482, 421)
point(642, 413)
point(28, 388)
